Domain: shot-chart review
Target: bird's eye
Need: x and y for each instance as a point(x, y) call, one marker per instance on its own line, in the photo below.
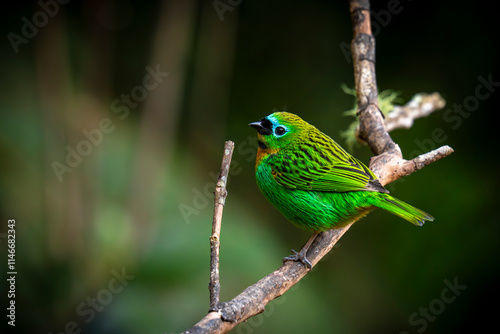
point(280, 131)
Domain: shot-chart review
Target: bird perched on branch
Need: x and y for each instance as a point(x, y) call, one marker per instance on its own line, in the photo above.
point(314, 182)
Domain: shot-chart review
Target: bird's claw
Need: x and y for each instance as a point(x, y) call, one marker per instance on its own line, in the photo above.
point(298, 256)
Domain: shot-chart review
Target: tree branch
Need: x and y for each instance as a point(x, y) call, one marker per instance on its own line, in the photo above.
point(371, 120)
point(388, 165)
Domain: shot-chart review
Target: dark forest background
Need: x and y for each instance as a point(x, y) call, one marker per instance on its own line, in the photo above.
point(113, 116)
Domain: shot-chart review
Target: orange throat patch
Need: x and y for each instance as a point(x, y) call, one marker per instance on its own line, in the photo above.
point(263, 153)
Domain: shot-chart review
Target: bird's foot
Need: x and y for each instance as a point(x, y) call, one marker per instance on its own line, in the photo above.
point(299, 256)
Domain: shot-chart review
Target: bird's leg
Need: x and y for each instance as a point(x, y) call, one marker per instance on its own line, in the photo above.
point(301, 256)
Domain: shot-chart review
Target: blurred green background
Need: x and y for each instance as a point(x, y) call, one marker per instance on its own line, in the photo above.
point(115, 240)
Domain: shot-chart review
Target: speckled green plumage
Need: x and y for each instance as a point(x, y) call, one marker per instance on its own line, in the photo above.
point(315, 183)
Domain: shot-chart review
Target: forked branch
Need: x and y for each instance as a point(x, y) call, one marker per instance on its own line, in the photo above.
point(387, 164)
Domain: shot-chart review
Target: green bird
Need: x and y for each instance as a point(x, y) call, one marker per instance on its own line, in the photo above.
point(314, 182)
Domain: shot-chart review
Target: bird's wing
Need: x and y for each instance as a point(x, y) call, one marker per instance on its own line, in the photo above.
point(324, 167)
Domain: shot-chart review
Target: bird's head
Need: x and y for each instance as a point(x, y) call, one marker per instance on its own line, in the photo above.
point(279, 129)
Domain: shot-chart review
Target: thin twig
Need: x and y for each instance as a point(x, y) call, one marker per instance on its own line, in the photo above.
point(389, 168)
point(219, 201)
point(421, 105)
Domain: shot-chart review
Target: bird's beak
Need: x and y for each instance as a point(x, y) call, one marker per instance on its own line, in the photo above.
point(260, 129)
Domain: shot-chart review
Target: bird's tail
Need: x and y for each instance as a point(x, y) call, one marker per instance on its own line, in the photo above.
point(403, 210)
